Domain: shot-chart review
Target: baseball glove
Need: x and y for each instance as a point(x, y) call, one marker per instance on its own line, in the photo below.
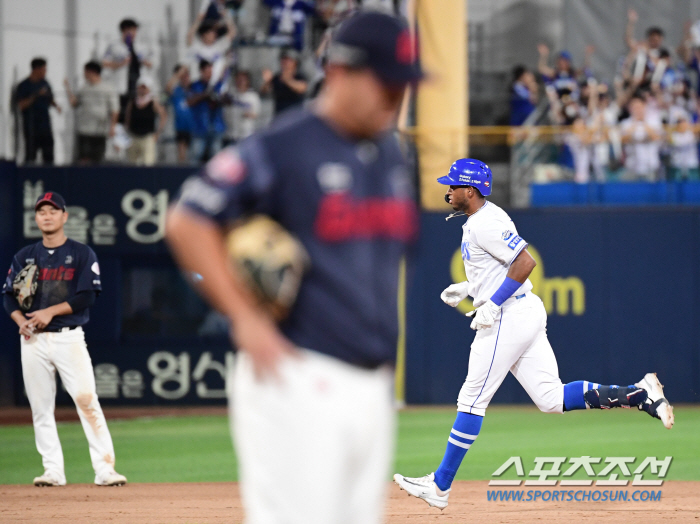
point(270, 259)
point(24, 286)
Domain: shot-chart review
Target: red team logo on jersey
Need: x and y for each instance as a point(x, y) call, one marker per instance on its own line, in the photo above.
point(60, 273)
point(342, 217)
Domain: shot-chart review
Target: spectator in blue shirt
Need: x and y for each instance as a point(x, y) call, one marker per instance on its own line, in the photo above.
point(288, 20)
point(177, 88)
point(523, 95)
point(206, 105)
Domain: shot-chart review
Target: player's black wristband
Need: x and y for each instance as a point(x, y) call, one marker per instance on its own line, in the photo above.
point(83, 300)
point(10, 303)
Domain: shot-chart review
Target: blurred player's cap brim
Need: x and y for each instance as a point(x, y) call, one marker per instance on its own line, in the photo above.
point(380, 42)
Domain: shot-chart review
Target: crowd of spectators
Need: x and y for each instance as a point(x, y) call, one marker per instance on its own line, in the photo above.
point(640, 125)
point(122, 115)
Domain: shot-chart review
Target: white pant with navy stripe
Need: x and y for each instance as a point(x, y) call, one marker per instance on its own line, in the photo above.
point(517, 342)
point(315, 446)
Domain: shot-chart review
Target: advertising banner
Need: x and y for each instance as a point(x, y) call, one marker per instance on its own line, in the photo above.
point(621, 288)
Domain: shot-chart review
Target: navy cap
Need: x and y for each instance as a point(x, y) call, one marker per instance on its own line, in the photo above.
point(380, 42)
point(52, 198)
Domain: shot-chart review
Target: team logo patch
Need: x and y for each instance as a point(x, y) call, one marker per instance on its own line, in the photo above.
point(465, 251)
point(516, 240)
point(334, 177)
point(406, 51)
point(226, 167)
point(95, 268)
point(506, 235)
point(487, 184)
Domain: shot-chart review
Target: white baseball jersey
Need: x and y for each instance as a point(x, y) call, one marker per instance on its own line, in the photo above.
point(517, 341)
point(490, 243)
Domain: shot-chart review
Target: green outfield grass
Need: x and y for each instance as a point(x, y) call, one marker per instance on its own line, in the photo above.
point(198, 449)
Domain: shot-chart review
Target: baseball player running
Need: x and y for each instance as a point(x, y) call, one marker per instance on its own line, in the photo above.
point(48, 292)
point(311, 400)
point(510, 322)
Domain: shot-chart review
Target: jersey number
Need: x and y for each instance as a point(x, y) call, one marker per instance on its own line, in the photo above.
point(465, 251)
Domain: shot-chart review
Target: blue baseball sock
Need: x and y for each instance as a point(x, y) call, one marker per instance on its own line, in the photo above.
point(573, 394)
point(464, 432)
point(586, 395)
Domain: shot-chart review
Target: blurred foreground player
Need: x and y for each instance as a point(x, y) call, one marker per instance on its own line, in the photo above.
point(48, 292)
point(511, 332)
point(312, 400)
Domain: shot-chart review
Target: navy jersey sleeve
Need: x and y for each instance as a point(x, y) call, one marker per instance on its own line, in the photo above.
point(23, 90)
point(88, 272)
point(15, 268)
point(50, 92)
point(238, 181)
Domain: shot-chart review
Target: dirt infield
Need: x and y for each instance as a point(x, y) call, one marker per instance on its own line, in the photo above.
point(213, 503)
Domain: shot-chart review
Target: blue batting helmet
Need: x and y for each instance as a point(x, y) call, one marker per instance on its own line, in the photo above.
point(469, 172)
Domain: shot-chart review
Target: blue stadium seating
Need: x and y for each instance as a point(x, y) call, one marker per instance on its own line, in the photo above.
point(617, 193)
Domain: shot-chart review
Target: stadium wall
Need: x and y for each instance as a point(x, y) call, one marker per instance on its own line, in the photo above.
point(621, 286)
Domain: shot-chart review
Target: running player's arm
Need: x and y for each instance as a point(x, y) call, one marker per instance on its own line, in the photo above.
point(522, 266)
point(501, 240)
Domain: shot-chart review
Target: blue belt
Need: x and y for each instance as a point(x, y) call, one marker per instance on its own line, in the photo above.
point(520, 296)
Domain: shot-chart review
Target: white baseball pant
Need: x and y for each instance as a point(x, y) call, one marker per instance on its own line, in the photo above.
point(315, 446)
point(66, 352)
point(517, 342)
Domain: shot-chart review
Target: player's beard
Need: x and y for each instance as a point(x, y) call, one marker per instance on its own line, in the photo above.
point(457, 206)
point(50, 230)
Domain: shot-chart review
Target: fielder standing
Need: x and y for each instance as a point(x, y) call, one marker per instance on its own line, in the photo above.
point(511, 326)
point(48, 292)
point(311, 400)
